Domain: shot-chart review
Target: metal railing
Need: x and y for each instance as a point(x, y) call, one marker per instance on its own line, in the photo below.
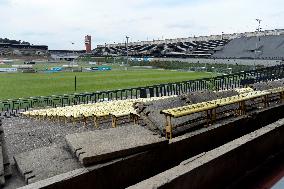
point(12, 106)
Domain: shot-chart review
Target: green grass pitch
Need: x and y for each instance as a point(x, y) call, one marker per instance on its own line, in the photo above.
point(19, 85)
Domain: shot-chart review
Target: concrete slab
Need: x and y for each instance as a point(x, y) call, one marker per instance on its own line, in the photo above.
point(1, 161)
point(2, 167)
point(6, 161)
point(44, 163)
point(16, 181)
point(2, 179)
point(97, 146)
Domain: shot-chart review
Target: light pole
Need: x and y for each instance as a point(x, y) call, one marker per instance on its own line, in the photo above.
point(257, 39)
point(72, 62)
point(75, 79)
point(127, 38)
point(259, 21)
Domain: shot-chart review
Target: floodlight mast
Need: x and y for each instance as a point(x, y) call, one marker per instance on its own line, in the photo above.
point(259, 21)
point(73, 63)
point(127, 38)
point(256, 44)
point(73, 49)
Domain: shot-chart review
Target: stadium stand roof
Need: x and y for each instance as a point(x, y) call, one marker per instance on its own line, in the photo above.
point(263, 47)
point(266, 44)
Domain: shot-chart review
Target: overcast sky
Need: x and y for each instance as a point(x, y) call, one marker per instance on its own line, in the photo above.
point(58, 23)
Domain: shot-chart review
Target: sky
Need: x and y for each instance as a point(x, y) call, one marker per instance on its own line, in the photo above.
point(59, 23)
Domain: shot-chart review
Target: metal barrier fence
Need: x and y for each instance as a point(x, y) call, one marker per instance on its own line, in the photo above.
point(12, 106)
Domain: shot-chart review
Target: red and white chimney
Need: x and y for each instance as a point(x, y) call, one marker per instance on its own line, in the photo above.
point(88, 43)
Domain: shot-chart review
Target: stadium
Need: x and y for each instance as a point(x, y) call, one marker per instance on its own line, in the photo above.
point(225, 46)
point(197, 112)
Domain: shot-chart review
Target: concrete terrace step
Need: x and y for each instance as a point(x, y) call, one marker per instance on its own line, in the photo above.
point(2, 173)
point(219, 167)
point(5, 169)
point(6, 161)
point(97, 146)
point(44, 163)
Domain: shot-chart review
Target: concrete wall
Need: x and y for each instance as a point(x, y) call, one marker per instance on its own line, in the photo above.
point(221, 166)
point(127, 171)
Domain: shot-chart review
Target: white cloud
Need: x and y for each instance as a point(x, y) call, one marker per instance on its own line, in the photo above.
point(57, 23)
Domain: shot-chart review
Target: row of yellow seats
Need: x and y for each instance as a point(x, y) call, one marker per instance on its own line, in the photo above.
point(198, 107)
point(88, 110)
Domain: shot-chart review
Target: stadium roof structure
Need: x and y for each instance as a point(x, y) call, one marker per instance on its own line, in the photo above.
point(263, 47)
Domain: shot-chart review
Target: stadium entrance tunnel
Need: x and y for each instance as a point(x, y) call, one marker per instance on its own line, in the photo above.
point(207, 156)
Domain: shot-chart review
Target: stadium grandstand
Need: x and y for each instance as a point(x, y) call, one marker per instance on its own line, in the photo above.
point(266, 44)
point(263, 47)
point(65, 55)
point(18, 48)
point(167, 135)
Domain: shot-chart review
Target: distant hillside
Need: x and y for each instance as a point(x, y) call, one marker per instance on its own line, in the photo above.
point(5, 40)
